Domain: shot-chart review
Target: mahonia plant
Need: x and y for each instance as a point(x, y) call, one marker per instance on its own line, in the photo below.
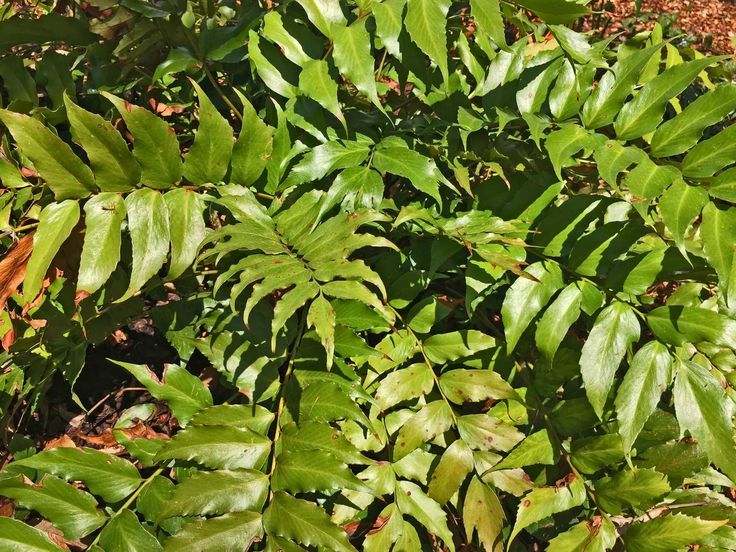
point(460, 277)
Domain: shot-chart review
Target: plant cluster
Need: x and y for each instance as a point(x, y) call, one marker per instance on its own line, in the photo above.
point(438, 276)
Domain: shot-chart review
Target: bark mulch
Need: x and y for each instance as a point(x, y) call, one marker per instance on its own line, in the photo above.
point(711, 23)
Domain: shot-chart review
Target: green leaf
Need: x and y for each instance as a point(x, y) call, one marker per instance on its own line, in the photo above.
point(396, 158)
point(454, 466)
point(724, 186)
point(64, 173)
point(125, 533)
point(218, 447)
point(17, 80)
point(649, 180)
point(615, 329)
point(217, 492)
point(208, 159)
point(315, 82)
point(352, 55)
point(678, 325)
point(313, 436)
point(643, 114)
point(711, 155)
point(412, 501)
point(557, 319)
point(103, 218)
point(702, 410)
point(324, 14)
point(325, 159)
point(183, 392)
point(613, 158)
point(614, 87)
point(717, 230)
point(425, 21)
point(56, 223)
point(404, 384)
point(564, 143)
point(148, 224)
point(303, 522)
point(649, 375)
point(527, 297)
point(639, 489)
point(545, 501)
point(16, 535)
point(321, 316)
point(679, 206)
point(684, 130)
point(313, 470)
point(535, 449)
point(252, 150)
point(444, 348)
point(389, 16)
point(487, 15)
point(483, 513)
point(73, 511)
point(461, 386)
point(114, 167)
point(229, 533)
point(186, 228)
point(49, 27)
point(356, 186)
point(555, 11)
point(571, 89)
point(667, 533)
point(156, 147)
point(107, 476)
point(484, 432)
point(591, 536)
point(257, 418)
point(431, 421)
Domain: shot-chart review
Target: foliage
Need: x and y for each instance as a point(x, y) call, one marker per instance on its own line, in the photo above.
point(464, 276)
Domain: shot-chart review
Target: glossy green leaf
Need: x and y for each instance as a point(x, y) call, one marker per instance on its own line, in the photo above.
point(103, 218)
point(64, 173)
point(557, 319)
point(309, 471)
point(315, 82)
point(431, 421)
point(187, 228)
point(125, 533)
point(639, 488)
point(156, 147)
point(16, 535)
point(616, 328)
point(352, 55)
point(425, 21)
point(680, 205)
point(229, 533)
point(252, 150)
point(461, 386)
point(148, 224)
point(443, 348)
point(668, 533)
point(483, 514)
point(711, 155)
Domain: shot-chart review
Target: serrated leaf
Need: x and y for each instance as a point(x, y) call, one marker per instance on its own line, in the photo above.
point(555, 11)
point(543, 502)
point(717, 230)
point(256, 418)
point(389, 24)
point(183, 392)
point(56, 222)
point(73, 511)
point(668, 533)
point(125, 533)
point(683, 131)
point(16, 535)
point(598, 535)
point(454, 466)
point(444, 348)
point(218, 447)
point(678, 325)
point(228, 533)
point(187, 228)
point(615, 329)
point(647, 378)
point(114, 167)
point(107, 476)
point(313, 470)
point(324, 14)
point(557, 319)
point(483, 513)
point(303, 522)
point(352, 55)
point(217, 492)
point(711, 155)
point(412, 501)
point(643, 114)
point(252, 150)
point(487, 15)
point(701, 410)
point(432, 420)
point(404, 384)
point(148, 224)
point(313, 436)
point(315, 82)
point(527, 297)
point(484, 432)
point(103, 218)
point(208, 159)
point(461, 386)
point(321, 316)
point(679, 206)
point(425, 21)
point(639, 489)
point(64, 173)
point(156, 147)
point(535, 449)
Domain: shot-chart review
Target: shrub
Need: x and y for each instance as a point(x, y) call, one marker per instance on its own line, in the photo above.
point(464, 276)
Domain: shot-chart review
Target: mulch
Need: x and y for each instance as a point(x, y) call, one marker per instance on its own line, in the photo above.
point(712, 23)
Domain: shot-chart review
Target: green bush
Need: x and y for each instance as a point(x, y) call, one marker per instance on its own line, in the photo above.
point(464, 276)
